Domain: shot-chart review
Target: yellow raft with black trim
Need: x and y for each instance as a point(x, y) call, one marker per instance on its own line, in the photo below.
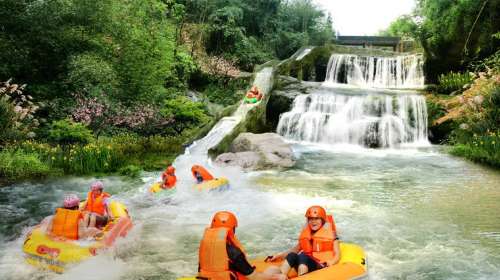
point(352, 265)
point(220, 184)
point(55, 254)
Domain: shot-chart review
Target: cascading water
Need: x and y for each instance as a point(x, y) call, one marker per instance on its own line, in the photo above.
point(352, 115)
point(374, 120)
point(378, 72)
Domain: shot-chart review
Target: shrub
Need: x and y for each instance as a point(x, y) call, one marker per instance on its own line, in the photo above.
point(69, 132)
point(91, 73)
point(19, 164)
point(185, 113)
point(452, 81)
point(16, 113)
point(132, 171)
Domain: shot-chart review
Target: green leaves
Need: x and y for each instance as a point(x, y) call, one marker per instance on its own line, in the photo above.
point(68, 132)
point(186, 113)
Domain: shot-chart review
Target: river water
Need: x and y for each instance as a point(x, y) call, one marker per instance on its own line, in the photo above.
point(418, 212)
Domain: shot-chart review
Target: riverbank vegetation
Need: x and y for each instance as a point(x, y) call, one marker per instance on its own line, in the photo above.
point(113, 86)
point(461, 43)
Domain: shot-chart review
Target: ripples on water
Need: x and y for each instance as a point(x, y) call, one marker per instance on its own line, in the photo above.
point(419, 214)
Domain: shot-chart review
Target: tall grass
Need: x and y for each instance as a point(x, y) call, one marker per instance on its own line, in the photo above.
point(19, 164)
point(483, 149)
point(452, 81)
point(106, 154)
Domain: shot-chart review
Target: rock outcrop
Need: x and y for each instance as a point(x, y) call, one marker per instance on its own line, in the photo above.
point(258, 152)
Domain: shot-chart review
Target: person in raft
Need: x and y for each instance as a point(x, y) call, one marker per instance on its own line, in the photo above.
point(221, 256)
point(169, 178)
point(201, 174)
point(318, 245)
point(95, 207)
point(68, 223)
point(254, 92)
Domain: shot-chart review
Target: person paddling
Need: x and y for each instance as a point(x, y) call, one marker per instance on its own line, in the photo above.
point(222, 257)
point(318, 245)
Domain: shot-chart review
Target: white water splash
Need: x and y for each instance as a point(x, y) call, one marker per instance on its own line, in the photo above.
point(304, 53)
point(379, 72)
point(227, 124)
point(374, 120)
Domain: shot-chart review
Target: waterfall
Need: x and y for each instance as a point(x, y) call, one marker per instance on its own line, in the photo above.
point(377, 72)
point(371, 120)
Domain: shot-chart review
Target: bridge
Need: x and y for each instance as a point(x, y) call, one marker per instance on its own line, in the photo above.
point(369, 41)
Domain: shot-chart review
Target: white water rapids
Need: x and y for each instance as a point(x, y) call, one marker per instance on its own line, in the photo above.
point(343, 116)
point(354, 114)
point(405, 71)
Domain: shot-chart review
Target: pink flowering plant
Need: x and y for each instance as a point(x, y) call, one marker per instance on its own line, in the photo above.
point(100, 114)
point(17, 111)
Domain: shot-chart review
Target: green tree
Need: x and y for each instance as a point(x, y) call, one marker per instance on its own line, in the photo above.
point(444, 33)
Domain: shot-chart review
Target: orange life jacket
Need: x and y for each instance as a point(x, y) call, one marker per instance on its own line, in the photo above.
point(169, 181)
point(202, 171)
point(96, 205)
point(65, 223)
point(214, 261)
point(320, 244)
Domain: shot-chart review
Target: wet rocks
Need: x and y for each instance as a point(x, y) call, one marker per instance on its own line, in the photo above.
point(258, 152)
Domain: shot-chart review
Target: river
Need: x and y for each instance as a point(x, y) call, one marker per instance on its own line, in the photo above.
point(418, 212)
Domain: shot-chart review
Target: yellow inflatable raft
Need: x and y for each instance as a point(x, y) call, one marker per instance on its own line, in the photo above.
point(220, 184)
point(352, 265)
point(157, 189)
point(55, 254)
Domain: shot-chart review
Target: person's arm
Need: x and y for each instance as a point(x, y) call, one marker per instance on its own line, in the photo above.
point(107, 211)
point(336, 250)
point(283, 254)
point(83, 206)
point(48, 230)
point(240, 263)
point(82, 229)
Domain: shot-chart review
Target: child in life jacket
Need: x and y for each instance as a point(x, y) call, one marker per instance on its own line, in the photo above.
point(95, 207)
point(318, 245)
point(169, 178)
point(221, 256)
point(68, 223)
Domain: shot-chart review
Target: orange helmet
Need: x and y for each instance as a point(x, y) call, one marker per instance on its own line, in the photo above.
point(170, 170)
point(224, 219)
point(316, 212)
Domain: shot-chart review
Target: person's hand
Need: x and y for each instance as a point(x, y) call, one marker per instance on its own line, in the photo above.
point(329, 263)
point(277, 257)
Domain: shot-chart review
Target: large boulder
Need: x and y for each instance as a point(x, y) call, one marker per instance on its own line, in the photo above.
point(258, 152)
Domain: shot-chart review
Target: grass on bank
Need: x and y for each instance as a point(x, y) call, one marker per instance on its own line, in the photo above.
point(125, 154)
point(483, 149)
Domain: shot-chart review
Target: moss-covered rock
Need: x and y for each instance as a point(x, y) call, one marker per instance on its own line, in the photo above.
point(255, 119)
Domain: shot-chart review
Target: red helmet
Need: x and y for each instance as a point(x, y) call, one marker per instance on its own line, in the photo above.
point(170, 170)
point(224, 219)
point(316, 212)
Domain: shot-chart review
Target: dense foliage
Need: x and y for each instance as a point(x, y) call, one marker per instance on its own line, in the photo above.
point(454, 34)
point(250, 32)
point(103, 69)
